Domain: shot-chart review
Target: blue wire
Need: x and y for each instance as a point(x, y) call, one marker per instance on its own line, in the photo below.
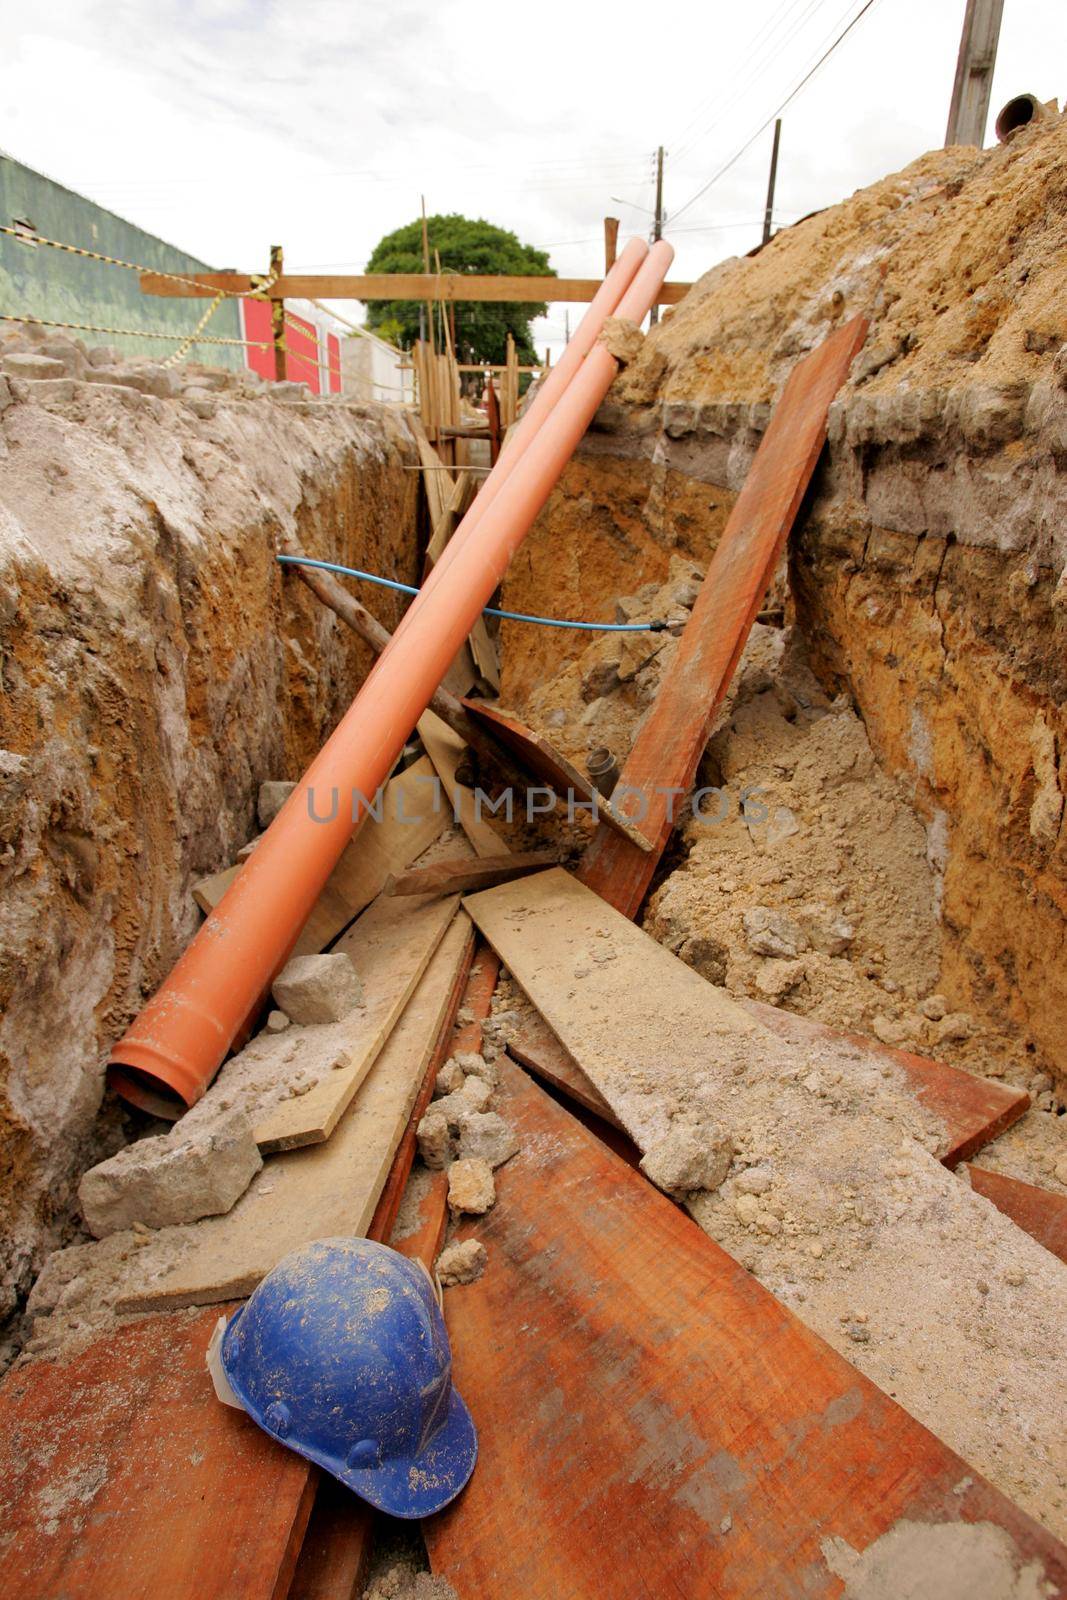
point(490, 611)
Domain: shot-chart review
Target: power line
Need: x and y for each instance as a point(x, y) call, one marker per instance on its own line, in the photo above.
point(862, 12)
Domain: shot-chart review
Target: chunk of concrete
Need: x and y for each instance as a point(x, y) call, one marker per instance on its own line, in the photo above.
point(449, 1080)
point(31, 367)
point(473, 1065)
point(486, 1136)
point(277, 1022)
point(434, 1140)
point(461, 1263)
point(272, 796)
point(692, 1156)
point(470, 1186)
point(318, 988)
point(170, 1179)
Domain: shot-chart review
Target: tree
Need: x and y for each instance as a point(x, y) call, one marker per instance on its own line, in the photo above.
point(463, 245)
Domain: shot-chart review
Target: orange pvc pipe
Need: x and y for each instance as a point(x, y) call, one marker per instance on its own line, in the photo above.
point(181, 1037)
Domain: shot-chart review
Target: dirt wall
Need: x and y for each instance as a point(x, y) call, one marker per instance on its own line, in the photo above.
point(157, 666)
point(929, 565)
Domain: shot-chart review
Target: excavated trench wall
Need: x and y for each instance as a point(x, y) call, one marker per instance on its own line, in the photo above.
point(929, 565)
point(157, 666)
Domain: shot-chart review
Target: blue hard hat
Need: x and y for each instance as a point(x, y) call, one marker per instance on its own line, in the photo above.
point(342, 1354)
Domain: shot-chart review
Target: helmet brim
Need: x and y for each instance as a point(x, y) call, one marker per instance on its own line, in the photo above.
point(424, 1483)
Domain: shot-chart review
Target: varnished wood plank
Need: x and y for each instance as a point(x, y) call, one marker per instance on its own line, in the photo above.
point(462, 875)
point(123, 1478)
point(681, 1433)
point(1039, 1212)
point(458, 288)
point(673, 735)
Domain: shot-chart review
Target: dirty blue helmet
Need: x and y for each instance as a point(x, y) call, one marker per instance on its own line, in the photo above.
point(342, 1354)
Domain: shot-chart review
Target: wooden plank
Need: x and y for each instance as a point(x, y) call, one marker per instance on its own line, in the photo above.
point(454, 288)
point(324, 1190)
point(444, 526)
point(673, 735)
point(974, 1110)
point(445, 749)
point(461, 875)
point(391, 946)
point(410, 822)
point(123, 1478)
point(541, 758)
point(664, 1047)
point(1039, 1212)
point(336, 1551)
point(683, 1433)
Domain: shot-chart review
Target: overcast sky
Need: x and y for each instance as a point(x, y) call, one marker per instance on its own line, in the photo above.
point(229, 125)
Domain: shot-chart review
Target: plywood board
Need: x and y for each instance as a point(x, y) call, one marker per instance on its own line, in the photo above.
point(410, 822)
point(682, 1433)
point(673, 735)
point(123, 1478)
point(326, 1190)
point(445, 749)
point(390, 946)
point(461, 876)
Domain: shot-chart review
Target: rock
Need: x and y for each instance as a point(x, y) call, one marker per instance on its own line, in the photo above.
point(456, 1108)
point(272, 796)
point(171, 1179)
point(782, 825)
point(1059, 1171)
point(477, 1093)
point(449, 1080)
point(706, 956)
point(957, 1025)
point(57, 391)
point(67, 353)
point(201, 402)
point(103, 355)
point(318, 988)
point(777, 979)
point(477, 1066)
point(149, 379)
point(829, 932)
point(746, 1208)
point(599, 680)
point(773, 933)
point(470, 1186)
point(461, 1263)
point(6, 397)
point(289, 391)
point(934, 1007)
point(623, 339)
point(434, 1140)
point(692, 1156)
point(277, 1022)
point(754, 1180)
point(487, 1136)
point(889, 1032)
point(32, 368)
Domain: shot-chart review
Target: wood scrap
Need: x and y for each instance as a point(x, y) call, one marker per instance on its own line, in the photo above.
point(390, 946)
point(336, 1551)
point(460, 876)
point(325, 1190)
point(122, 1475)
point(679, 1417)
point(411, 819)
point(445, 749)
point(672, 738)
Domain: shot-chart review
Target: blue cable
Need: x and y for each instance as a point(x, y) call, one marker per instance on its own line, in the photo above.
point(490, 611)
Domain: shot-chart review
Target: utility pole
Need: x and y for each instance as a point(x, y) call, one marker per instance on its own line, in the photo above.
point(974, 73)
point(277, 315)
point(769, 212)
point(657, 226)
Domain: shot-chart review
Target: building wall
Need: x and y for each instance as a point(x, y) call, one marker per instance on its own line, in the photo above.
point(51, 284)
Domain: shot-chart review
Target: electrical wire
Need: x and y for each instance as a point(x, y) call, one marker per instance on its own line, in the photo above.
point(862, 12)
point(658, 626)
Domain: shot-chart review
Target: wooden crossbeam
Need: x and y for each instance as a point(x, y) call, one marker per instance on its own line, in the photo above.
point(453, 287)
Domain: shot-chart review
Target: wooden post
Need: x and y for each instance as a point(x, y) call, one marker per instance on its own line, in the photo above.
point(769, 211)
point(974, 73)
point(611, 242)
point(426, 269)
point(277, 315)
